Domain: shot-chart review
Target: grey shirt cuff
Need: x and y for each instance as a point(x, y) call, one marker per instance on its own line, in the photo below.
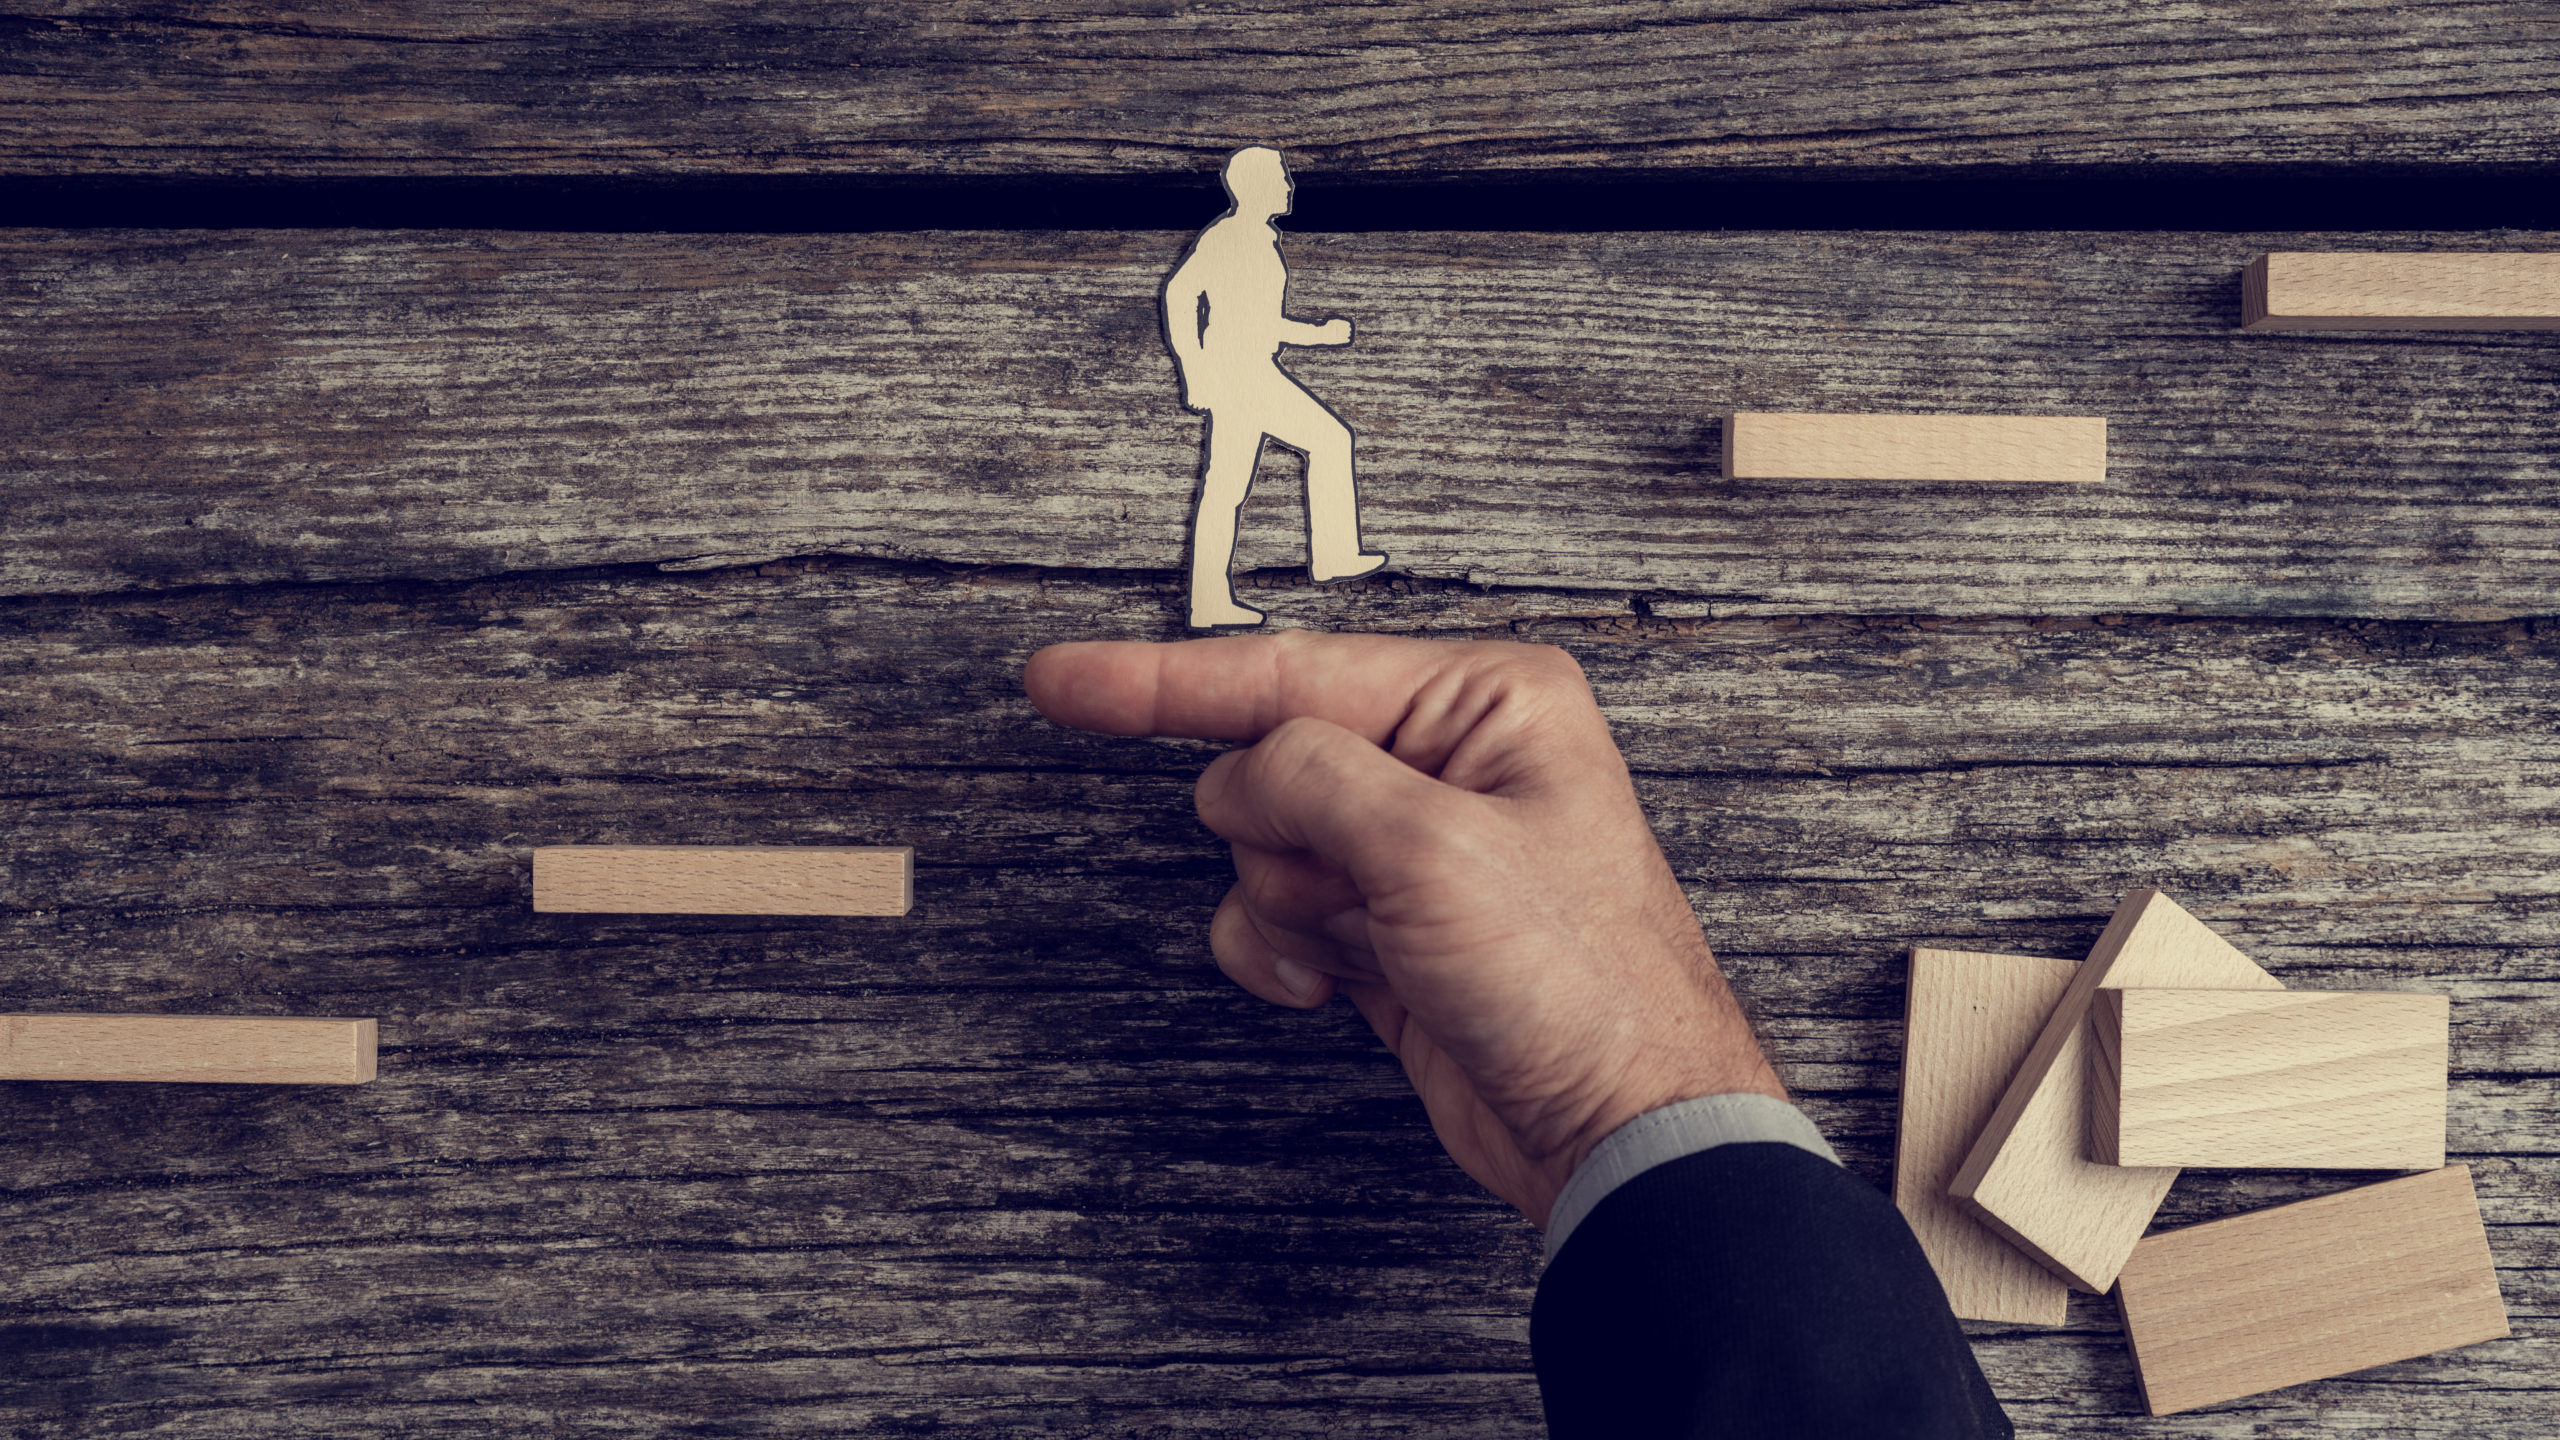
point(1658, 1137)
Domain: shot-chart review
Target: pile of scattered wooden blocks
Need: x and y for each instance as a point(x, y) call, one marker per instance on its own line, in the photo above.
point(2048, 1105)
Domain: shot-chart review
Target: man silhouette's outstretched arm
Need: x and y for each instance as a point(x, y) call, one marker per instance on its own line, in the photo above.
point(1336, 331)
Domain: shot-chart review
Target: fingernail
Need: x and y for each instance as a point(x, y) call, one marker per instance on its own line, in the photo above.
point(1301, 982)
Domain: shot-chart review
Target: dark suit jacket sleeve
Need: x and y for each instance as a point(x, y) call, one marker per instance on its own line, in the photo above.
point(1752, 1290)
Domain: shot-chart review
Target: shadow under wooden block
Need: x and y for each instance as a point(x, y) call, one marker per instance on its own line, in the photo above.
point(2310, 1290)
point(1968, 1019)
point(2409, 290)
point(2069, 449)
point(724, 879)
point(2270, 1079)
point(2029, 1175)
point(206, 1049)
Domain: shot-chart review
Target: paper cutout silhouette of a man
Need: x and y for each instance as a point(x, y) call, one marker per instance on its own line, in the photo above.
point(1224, 317)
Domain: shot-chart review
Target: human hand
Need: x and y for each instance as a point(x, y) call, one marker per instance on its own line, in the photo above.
point(1445, 832)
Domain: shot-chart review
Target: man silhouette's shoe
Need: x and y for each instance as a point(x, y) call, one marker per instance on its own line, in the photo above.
point(1226, 616)
point(1352, 569)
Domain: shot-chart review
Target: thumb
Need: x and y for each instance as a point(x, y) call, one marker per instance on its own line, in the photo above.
point(1312, 785)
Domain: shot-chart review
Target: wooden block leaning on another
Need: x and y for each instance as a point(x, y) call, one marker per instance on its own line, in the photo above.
point(1967, 1021)
point(2029, 1175)
point(2309, 1290)
point(2273, 1079)
point(2070, 449)
point(208, 1049)
point(2408, 290)
point(724, 879)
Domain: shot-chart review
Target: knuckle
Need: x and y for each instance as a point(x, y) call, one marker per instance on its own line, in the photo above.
point(1300, 757)
point(1443, 815)
point(1554, 667)
point(1298, 745)
point(1531, 668)
point(1538, 682)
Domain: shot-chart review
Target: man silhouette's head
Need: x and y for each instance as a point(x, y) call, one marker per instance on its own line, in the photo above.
point(1258, 182)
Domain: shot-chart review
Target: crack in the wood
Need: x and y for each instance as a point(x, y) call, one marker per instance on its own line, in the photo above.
point(1627, 606)
point(121, 28)
point(1958, 767)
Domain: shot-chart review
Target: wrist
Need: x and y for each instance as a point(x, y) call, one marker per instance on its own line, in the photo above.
point(1674, 1132)
point(1631, 1103)
point(1700, 1048)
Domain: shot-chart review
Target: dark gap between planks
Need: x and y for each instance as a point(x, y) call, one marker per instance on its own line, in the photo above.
point(2219, 200)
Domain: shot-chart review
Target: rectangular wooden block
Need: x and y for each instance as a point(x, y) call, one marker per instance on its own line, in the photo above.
point(1968, 1019)
point(2029, 1175)
point(2070, 449)
point(2310, 1290)
point(2409, 290)
point(724, 879)
point(2270, 1079)
point(217, 1049)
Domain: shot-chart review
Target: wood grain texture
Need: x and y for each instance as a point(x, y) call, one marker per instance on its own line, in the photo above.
point(2309, 1290)
point(196, 1049)
point(506, 87)
point(1961, 448)
point(1029, 1166)
point(2402, 290)
point(724, 880)
point(2029, 1175)
point(1532, 411)
point(1968, 1019)
point(2291, 1080)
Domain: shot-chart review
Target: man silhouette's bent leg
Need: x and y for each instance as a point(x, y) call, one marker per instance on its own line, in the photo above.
point(1299, 420)
point(1235, 447)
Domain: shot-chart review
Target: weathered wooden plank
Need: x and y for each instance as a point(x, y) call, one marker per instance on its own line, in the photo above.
point(185, 408)
point(1022, 1160)
point(488, 88)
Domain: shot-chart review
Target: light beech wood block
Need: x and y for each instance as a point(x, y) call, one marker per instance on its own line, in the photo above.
point(2310, 1290)
point(2070, 449)
point(2029, 1175)
point(1967, 1020)
point(2408, 290)
point(2271, 1080)
point(211, 1049)
point(724, 879)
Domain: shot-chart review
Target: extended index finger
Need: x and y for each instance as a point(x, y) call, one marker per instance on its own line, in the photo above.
point(1236, 687)
point(1483, 715)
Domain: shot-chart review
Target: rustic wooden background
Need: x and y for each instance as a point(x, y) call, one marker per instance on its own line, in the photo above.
point(341, 568)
